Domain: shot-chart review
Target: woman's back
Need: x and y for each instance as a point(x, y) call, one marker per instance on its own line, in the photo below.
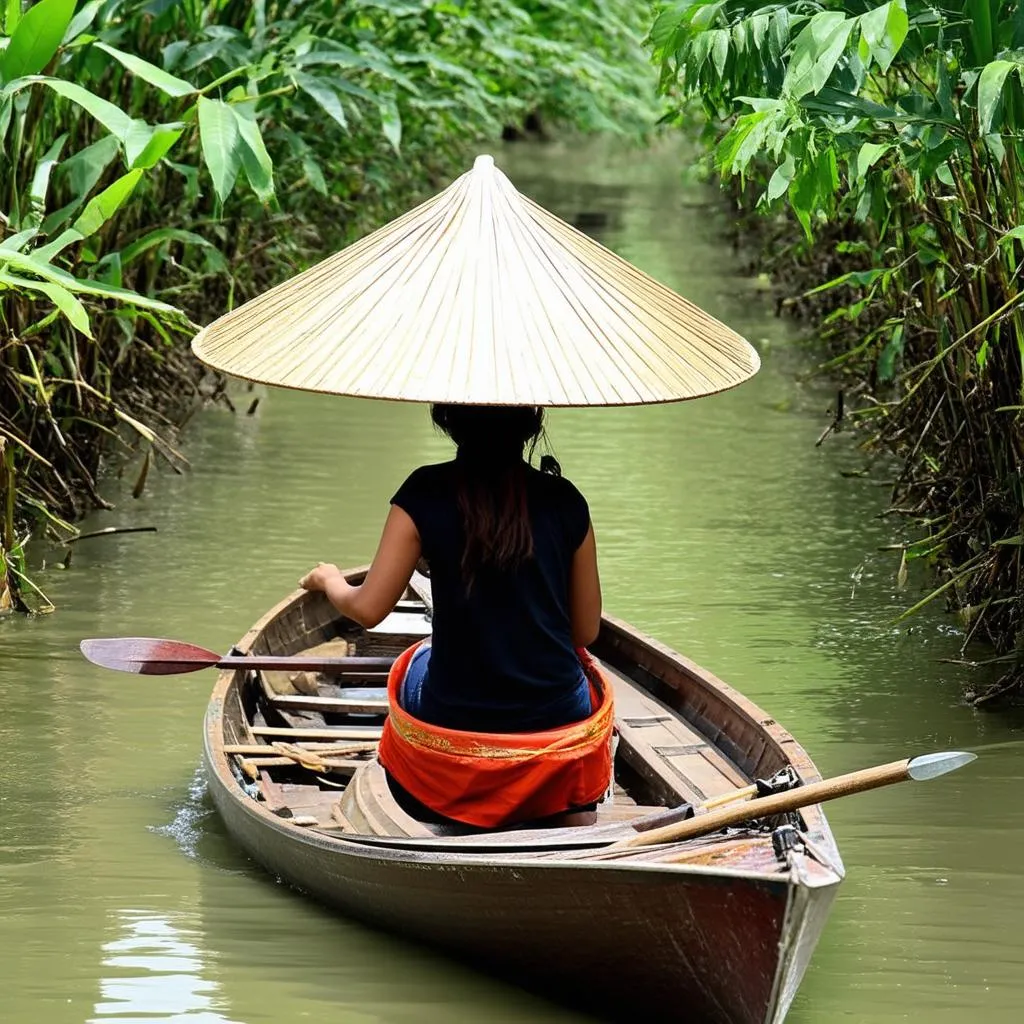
point(502, 656)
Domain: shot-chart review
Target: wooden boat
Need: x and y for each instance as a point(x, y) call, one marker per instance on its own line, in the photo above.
point(715, 929)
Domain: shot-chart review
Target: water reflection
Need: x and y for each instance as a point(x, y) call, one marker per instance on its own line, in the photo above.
point(158, 965)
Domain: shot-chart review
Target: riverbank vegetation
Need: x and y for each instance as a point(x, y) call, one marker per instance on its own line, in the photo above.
point(163, 160)
point(892, 132)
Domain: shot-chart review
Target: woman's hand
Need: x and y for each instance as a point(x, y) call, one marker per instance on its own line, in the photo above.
point(320, 577)
point(370, 601)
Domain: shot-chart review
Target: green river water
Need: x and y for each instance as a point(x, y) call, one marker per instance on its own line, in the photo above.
point(722, 530)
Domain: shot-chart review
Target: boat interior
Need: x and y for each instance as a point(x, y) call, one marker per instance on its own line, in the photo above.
point(304, 744)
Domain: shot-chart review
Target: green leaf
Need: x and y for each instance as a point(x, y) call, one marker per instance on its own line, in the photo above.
point(18, 241)
point(705, 15)
point(981, 356)
point(828, 175)
point(870, 153)
point(943, 90)
point(12, 15)
point(68, 305)
point(83, 169)
point(344, 85)
point(115, 120)
point(666, 24)
point(158, 237)
point(109, 269)
point(803, 191)
point(391, 122)
point(779, 182)
point(255, 159)
point(136, 141)
point(719, 39)
point(161, 140)
point(30, 263)
point(314, 174)
point(340, 57)
point(884, 30)
point(816, 51)
point(325, 96)
point(222, 144)
point(891, 352)
point(978, 17)
point(58, 245)
point(36, 38)
point(990, 91)
point(150, 73)
point(82, 20)
point(1014, 233)
point(103, 206)
point(41, 181)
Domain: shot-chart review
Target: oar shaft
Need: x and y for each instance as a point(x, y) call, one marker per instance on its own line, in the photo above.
point(340, 666)
point(727, 798)
point(778, 803)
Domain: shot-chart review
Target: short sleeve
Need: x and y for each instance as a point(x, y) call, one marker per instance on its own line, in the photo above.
point(413, 495)
point(577, 514)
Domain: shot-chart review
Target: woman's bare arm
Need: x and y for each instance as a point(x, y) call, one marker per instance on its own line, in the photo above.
point(585, 593)
point(393, 565)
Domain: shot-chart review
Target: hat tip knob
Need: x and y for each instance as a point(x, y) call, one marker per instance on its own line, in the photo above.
point(484, 162)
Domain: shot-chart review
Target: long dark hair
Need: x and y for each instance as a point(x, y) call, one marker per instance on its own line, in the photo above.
point(492, 441)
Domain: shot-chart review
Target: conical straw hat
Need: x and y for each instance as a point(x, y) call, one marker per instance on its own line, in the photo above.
point(479, 296)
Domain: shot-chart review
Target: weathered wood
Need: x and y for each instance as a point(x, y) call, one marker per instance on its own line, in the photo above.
point(347, 732)
point(664, 749)
point(332, 766)
point(367, 803)
point(324, 749)
point(330, 705)
point(727, 934)
point(421, 587)
point(403, 624)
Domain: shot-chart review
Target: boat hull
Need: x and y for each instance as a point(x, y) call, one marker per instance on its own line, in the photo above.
point(658, 943)
point(714, 931)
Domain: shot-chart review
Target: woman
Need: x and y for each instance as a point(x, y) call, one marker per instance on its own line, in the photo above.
point(513, 568)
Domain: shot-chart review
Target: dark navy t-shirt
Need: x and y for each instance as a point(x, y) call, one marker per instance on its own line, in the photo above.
point(502, 657)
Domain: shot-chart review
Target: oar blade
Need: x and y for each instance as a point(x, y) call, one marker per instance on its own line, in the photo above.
point(931, 766)
point(148, 656)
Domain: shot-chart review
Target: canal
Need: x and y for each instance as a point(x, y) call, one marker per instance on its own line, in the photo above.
point(722, 530)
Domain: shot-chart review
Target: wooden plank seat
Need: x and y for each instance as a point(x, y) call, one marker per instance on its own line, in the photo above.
point(667, 752)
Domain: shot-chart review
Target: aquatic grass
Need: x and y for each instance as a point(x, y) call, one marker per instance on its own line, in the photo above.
point(894, 135)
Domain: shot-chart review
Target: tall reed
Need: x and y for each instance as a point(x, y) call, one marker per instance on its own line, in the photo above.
point(896, 130)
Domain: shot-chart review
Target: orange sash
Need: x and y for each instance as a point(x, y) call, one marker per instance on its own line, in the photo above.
point(496, 779)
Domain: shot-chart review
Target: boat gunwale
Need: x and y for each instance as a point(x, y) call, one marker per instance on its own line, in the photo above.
point(219, 768)
point(512, 859)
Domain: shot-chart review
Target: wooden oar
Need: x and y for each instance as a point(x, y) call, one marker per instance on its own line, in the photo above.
point(150, 656)
point(918, 769)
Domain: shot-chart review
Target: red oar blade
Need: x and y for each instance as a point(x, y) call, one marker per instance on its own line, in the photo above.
point(148, 656)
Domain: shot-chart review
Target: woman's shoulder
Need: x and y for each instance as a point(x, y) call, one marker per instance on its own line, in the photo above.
point(427, 479)
point(557, 487)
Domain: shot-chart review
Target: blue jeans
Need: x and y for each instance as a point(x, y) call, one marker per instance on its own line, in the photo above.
point(410, 693)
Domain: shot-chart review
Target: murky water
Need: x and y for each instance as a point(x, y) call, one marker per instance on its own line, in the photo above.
point(722, 530)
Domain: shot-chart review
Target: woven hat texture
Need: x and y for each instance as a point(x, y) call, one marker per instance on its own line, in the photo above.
point(479, 296)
